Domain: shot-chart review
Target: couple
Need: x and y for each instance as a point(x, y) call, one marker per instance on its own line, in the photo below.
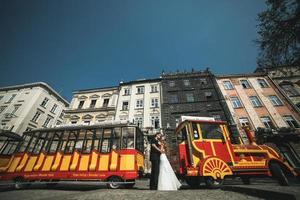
point(162, 174)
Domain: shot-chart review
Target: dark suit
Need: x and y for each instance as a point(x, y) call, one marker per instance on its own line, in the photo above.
point(154, 158)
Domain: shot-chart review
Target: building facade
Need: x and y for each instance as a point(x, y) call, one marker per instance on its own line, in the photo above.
point(140, 103)
point(255, 101)
point(92, 105)
point(29, 106)
point(192, 94)
point(288, 80)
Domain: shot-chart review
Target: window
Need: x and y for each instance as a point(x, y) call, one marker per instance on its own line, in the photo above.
point(61, 115)
point(139, 103)
point(58, 122)
point(105, 102)
point(46, 123)
point(44, 102)
point(217, 117)
point(291, 121)
point(11, 98)
point(73, 122)
point(140, 90)
point(235, 102)
point(227, 85)
point(208, 94)
point(154, 88)
point(211, 131)
point(2, 108)
point(36, 116)
point(275, 100)
point(173, 98)
point(244, 122)
point(53, 108)
point(290, 90)
point(93, 103)
point(1, 97)
point(186, 82)
point(267, 122)
point(262, 83)
point(155, 122)
point(125, 105)
point(203, 81)
point(139, 121)
point(126, 91)
point(28, 129)
point(245, 84)
point(171, 83)
point(80, 104)
point(189, 97)
point(154, 102)
point(15, 109)
point(255, 101)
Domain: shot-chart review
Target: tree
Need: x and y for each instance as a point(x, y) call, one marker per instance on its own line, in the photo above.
point(279, 34)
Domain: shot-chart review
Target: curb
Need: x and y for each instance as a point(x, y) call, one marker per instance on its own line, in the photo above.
point(261, 193)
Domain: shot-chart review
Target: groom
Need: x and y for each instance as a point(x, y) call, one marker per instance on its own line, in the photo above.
point(154, 158)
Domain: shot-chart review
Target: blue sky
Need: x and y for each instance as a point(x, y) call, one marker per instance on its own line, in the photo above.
point(84, 44)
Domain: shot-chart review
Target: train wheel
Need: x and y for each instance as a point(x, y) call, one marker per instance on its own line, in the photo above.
point(20, 183)
point(114, 182)
point(278, 174)
point(213, 183)
point(193, 182)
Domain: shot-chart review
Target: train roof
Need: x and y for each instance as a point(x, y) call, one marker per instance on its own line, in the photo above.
point(81, 126)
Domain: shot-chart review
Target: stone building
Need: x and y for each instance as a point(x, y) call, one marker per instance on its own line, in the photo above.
point(288, 79)
point(254, 100)
point(139, 103)
point(193, 93)
point(29, 106)
point(92, 105)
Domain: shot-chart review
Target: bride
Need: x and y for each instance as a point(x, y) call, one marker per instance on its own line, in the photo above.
point(167, 179)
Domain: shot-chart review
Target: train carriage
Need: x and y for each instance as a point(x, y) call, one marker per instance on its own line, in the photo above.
point(205, 152)
point(110, 153)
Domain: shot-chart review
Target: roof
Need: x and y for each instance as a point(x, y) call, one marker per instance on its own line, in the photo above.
point(36, 84)
point(240, 75)
point(102, 89)
point(140, 81)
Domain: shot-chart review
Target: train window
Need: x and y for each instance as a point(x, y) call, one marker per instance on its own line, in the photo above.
point(97, 139)
point(116, 136)
point(195, 131)
point(181, 136)
point(88, 142)
point(71, 142)
point(54, 143)
point(47, 142)
point(39, 144)
point(9, 148)
point(32, 143)
point(105, 146)
point(24, 144)
point(128, 137)
point(139, 140)
point(211, 131)
point(79, 141)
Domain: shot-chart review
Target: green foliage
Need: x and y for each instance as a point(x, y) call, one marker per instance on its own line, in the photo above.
point(279, 31)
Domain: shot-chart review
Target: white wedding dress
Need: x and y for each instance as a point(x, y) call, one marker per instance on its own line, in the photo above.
point(167, 179)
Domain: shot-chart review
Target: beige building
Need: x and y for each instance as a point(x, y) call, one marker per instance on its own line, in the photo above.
point(254, 100)
point(29, 106)
point(92, 105)
point(288, 79)
point(140, 103)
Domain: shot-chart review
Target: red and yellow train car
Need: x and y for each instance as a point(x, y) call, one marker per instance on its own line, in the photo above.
point(110, 153)
point(206, 152)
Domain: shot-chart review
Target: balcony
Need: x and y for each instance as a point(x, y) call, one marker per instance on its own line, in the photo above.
point(77, 110)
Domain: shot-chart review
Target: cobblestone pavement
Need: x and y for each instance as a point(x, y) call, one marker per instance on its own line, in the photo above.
point(77, 191)
point(140, 191)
